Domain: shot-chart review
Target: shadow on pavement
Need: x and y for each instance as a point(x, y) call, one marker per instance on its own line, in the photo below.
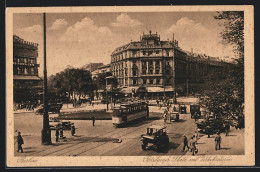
point(138, 123)
point(28, 151)
point(173, 145)
point(226, 148)
point(28, 148)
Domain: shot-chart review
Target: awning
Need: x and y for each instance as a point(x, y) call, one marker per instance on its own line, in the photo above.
point(159, 89)
point(27, 77)
point(149, 89)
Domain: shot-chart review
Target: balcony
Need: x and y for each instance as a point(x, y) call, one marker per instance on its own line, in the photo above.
point(26, 64)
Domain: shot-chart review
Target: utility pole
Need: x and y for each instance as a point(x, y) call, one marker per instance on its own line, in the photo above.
point(46, 132)
point(173, 72)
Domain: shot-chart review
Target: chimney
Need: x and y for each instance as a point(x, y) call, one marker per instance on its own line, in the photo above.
point(173, 38)
point(191, 50)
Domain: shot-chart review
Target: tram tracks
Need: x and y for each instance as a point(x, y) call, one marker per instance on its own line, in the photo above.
point(78, 146)
point(140, 127)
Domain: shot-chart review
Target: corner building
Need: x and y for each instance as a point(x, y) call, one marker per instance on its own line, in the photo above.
point(148, 62)
point(27, 84)
point(162, 67)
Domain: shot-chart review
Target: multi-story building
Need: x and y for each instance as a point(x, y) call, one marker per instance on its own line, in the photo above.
point(100, 70)
point(26, 81)
point(92, 66)
point(160, 66)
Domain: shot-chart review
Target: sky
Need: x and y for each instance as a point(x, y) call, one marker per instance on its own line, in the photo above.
point(77, 39)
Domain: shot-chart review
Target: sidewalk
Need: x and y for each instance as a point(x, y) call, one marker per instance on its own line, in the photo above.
point(69, 108)
point(233, 144)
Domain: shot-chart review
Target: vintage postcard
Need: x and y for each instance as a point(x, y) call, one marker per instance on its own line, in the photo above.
point(130, 86)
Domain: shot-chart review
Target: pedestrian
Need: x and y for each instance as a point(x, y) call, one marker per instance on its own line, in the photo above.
point(61, 132)
point(195, 117)
point(20, 142)
point(57, 135)
point(218, 140)
point(227, 129)
point(174, 109)
point(72, 130)
point(93, 120)
point(185, 143)
point(192, 145)
point(165, 116)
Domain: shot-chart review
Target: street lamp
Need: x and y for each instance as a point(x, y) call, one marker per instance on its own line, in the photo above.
point(46, 132)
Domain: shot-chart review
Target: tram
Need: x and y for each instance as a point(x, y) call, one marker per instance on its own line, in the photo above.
point(129, 112)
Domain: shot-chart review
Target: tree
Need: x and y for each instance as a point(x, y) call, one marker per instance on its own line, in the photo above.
point(72, 80)
point(100, 81)
point(225, 97)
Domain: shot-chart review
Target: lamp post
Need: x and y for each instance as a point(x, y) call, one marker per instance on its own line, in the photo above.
point(46, 132)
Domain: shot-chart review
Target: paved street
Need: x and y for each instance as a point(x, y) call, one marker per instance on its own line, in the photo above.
point(102, 139)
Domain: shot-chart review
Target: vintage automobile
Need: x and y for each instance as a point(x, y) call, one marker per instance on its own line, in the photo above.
point(183, 109)
point(174, 116)
point(195, 111)
point(211, 126)
point(52, 108)
point(156, 136)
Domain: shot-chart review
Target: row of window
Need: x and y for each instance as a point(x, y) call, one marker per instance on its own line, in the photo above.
point(26, 60)
point(145, 81)
point(144, 66)
point(133, 53)
point(26, 70)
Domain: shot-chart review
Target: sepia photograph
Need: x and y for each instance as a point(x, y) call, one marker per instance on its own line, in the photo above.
point(130, 86)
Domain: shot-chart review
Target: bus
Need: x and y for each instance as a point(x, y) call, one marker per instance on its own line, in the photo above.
point(129, 112)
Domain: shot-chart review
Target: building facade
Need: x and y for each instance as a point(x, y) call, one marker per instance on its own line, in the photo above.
point(100, 70)
point(26, 81)
point(160, 66)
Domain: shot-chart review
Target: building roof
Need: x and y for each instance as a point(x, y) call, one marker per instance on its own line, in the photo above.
point(104, 66)
point(27, 77)
point(19, 40)
point(92, 66)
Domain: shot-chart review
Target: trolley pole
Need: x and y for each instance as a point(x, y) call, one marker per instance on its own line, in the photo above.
point(46, 132)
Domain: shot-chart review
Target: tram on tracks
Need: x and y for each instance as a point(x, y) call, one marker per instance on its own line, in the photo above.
point(129, 112)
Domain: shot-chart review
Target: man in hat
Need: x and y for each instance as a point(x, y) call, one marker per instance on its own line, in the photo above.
point(218, 141)
point(185, 143)
point(20, 142)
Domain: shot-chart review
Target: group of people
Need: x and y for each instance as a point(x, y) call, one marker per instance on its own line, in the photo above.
point(59, 132)
point(191, 145)
point(29, 106)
